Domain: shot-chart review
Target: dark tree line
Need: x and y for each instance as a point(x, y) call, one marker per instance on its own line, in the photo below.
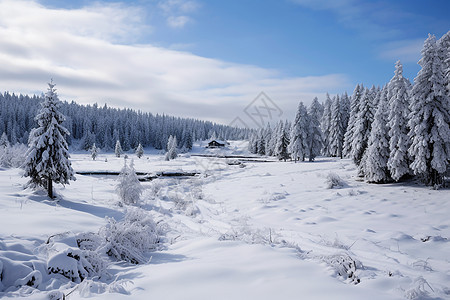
point(104, 126)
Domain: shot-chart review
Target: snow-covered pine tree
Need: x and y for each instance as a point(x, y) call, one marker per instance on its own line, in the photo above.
point(129, 187)
point(171, 148)
point(429, 117)
point(48, 156)
point(94, 151)
point(315, 133)
point(118, 149)
point(444, 47)
point(188, 140)
point(375, 164)
point(4, 143)
point(298, 145)
point(336, 132)
point(261, 142)
point(274, 139)
point(267, 139)
point(281, 151)
point(325, 124)
point(363, 125)
point(398, 103)
point(345, 110)
point(253, 143)
point(354, 110)
point(139, 151)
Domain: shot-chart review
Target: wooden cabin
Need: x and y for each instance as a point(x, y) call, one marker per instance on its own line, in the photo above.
point(216, 144)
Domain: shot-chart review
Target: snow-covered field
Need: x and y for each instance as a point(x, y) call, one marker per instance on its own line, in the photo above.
point(257, 230)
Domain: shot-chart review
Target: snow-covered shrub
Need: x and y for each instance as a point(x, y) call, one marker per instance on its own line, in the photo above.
point(56, 295)
point(14, 274)
point(334, 181)
point(417, 290)
point(76, 264)
point(88, 241)
point(90, 288)
point(249, 235)
point(129, 187)
point(132, 238)
point(12, 156)
point(184, 199)
point(34, 279)
point(155, 188)
point(344, 266)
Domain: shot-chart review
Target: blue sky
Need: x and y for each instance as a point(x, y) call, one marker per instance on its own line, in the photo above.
point(208, 59)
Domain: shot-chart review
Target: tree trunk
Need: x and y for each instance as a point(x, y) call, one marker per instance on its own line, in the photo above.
point(50, 188)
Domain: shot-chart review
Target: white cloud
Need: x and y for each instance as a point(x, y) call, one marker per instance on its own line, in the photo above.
point(79, 49)
point(178, 21)
point(176, 10)
point(406, 50)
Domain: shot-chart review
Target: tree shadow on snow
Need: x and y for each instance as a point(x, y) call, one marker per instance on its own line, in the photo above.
point(97, 211)
point(159, 258)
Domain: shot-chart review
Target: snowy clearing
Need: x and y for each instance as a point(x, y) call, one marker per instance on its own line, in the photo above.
point(275, 230)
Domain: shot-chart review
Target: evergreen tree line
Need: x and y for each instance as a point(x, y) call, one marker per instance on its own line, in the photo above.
point(104, 126)
point(390, 132)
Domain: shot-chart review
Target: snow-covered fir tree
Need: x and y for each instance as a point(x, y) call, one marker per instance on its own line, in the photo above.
point(274, 139)
point(363, 125)
point(429, 118)
point(253, 143)
point(336, 131)
point(171, 148)
point(444, 48)
point(315, 133)
point(354, 110)
point(268, 139)
point(94, 151)
point(298, 144)
point(281, 146)
point(4, 143)
point(139, 151)
point(326, 126)
point(345, 111)
point(47, 158)
point(118, 149)
point(129, 188)
point(377, 153)
point(398, 97)
point(261, 142)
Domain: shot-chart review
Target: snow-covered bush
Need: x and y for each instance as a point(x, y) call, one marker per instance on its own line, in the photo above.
point(344, 266)
point(88, 241)
point(184, 198)
point(250, 235)
point(12, 156)
point(334, 181)
point(418, 289)
point(131, 239)
point(76, 264)
point(15, 274)
point(129, 187)
point(90, 288)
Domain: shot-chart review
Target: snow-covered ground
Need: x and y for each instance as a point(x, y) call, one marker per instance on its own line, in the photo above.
point(257, 230)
